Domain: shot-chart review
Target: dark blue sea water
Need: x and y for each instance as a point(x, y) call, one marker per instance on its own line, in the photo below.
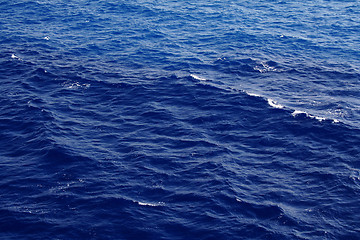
point(154, 119)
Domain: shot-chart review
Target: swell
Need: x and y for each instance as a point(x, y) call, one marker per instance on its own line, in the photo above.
point(183, 147)
point(117, 122)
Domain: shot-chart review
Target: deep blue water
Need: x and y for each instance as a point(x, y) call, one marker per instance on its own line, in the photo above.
point(154, 119)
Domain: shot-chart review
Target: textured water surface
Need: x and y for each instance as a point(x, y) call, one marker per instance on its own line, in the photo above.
point(179, 119)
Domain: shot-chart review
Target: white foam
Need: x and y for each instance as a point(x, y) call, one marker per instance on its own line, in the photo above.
point(320, 119)
point(297, 112)
point(252, 94)
point(355, 175)
point(197, 77)
point(13, 56)
point(264, 68)
point(274, 104)
point(270, 101)
point(75, 85)
point(150, 204)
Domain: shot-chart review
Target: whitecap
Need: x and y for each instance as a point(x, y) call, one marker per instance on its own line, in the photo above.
point(297, 112)
point(252, 94)
point(150, 204)
point(264, 68)
point(197, 77)
point(274, 104)
point(13, 56)
point(270, 101)
point(320, 119)
point(75, 85)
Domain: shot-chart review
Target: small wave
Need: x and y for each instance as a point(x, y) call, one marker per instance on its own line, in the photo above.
point(295, 113)
point(271, 102)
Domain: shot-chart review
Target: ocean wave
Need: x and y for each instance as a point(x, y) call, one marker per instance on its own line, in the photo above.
point(171, 120)
point(271, 102)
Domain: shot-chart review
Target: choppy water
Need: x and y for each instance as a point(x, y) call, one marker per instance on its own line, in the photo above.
point(179, 119)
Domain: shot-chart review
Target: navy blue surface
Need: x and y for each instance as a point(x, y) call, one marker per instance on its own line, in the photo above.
point(179, 119)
